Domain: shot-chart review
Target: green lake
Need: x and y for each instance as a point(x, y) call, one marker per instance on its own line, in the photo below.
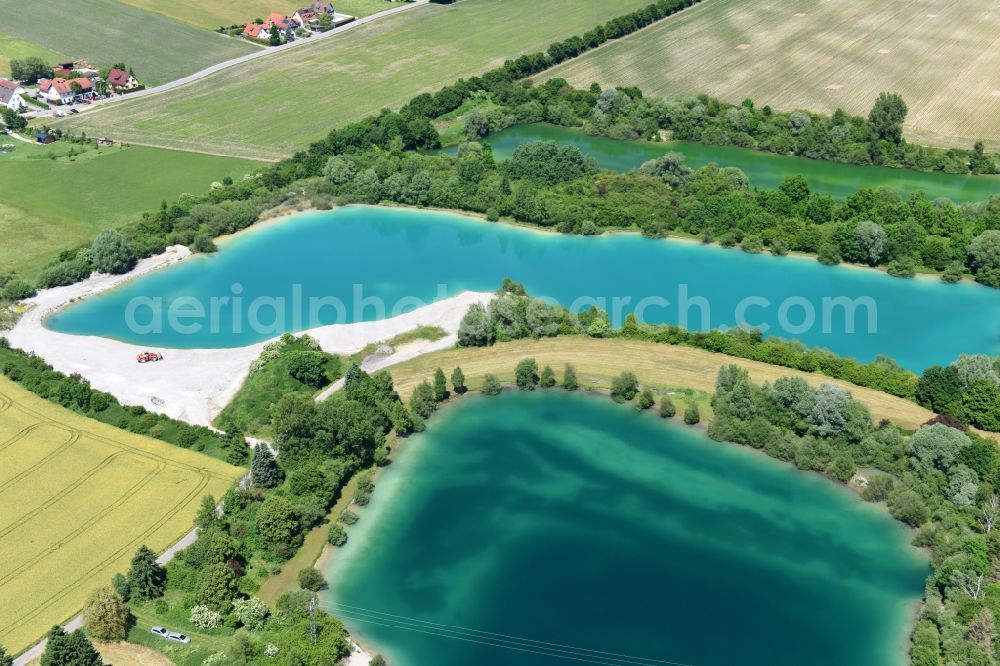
point(765, 170)
point(548, 528)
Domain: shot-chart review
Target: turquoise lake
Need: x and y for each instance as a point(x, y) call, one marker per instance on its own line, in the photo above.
point(536, 529)
point(362, 257)
point(765, 170)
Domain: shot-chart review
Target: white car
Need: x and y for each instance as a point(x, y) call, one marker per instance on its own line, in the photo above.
point(178, 637)
point(159, 631)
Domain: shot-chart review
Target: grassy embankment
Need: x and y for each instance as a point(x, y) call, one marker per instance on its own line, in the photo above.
point(810, 54)
point(658, 366)
point(337, 81)
point(104, 32)
point(50, 202)
point(80, 497)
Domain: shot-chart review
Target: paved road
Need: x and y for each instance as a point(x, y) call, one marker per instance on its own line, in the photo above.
point(262, 53)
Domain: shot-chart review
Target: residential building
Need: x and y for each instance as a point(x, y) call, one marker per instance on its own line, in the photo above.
point(256, 30)
point(10, 95)
point(119, 80)
point(62, 91)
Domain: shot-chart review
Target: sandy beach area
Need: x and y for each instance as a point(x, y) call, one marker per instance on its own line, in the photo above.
point(194, 385)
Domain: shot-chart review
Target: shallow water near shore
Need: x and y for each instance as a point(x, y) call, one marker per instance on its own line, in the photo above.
point(548, 528)
point(379, 261)
point(765, 170)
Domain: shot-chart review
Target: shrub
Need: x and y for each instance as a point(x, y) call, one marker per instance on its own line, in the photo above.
point(16, 289)
point(624, 387)
point(548, 377)
point(526, 374)
point(204, 617)
point(570, 382)
point(252, 613)
point(491, 385)
point(909, 508)
point(667, 408)
point(308, 367)
point(110, 253)
point(645, 400)
point(337, 536)
point(311, 579)
point(691, 414)
point(828, 254)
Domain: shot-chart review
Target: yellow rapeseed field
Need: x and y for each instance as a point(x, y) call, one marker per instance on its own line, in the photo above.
point(77, 497)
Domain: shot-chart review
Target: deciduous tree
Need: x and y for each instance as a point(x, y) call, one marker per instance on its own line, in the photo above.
point(526, 374)
point(887, 116)
point(106, 615)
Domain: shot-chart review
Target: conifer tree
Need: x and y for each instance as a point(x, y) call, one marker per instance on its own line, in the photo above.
point(264, 470)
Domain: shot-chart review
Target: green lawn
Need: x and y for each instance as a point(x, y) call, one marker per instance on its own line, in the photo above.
point(272, 106)
point(13, 48)
point(104, 32)
point(50, 205)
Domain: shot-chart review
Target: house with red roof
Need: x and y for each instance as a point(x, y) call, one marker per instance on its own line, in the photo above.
point(66, 91)
point(263, 30)
point(256, 30)
point(120, 81)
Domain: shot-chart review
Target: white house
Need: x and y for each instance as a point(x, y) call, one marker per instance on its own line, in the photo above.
point(10, 95)
point(61, 91)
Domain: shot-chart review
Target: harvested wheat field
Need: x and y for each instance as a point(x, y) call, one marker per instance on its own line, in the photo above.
point(77, 497)
point(943, 57)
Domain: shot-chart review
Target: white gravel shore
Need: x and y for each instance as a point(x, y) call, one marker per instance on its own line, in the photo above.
point(194, 384)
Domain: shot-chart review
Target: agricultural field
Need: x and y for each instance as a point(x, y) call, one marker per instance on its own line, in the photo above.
point(657, 366)
point(51, 202)
point(270, 107)
point(818, 55)
point(14, 48)
point(78, 498)
point(212, 14)
point(104, 32)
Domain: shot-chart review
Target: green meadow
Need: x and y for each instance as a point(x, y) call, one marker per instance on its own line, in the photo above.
point(273, 106)
point(14, 48)
point(48, 205)
point(214, 13)
point(158, 48)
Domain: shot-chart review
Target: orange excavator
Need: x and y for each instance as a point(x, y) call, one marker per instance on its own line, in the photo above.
point(147, 356)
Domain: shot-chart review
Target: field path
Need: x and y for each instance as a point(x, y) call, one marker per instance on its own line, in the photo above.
point(218, 67)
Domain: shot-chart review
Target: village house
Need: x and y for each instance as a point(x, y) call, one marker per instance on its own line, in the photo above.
point(309, 16)
point(10, 96)
point(66, 91)
point(262, 30)
point(256, 30)
point(121, 81)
